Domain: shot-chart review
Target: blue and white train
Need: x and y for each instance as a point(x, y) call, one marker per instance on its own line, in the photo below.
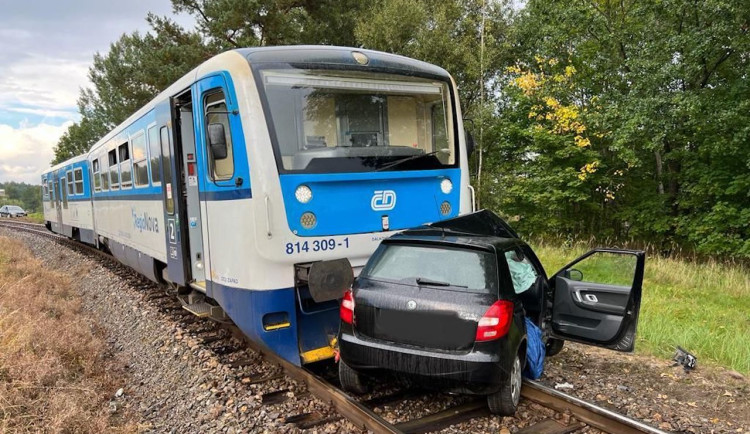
point(245, 182)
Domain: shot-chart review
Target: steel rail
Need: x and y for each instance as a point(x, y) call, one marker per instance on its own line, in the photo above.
point(591, 414)
point(363, 417)
point(347, 406)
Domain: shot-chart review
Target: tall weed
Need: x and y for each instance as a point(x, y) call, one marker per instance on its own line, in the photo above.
point(55, 375)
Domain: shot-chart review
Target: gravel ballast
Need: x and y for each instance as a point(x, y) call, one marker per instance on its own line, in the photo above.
point(174, 382)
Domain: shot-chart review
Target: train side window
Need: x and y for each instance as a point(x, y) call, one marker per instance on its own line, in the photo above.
point(222, 168)
point(70, 183)
point(96, 176)
point(140, 164)
point(114, 175)
point(78, 178)
point(166, 158)
point(154, 152)
point(103, 174)
point(126, 177)
point(64, 192)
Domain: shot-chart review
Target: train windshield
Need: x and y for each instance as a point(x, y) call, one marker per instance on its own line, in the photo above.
point(335, 121)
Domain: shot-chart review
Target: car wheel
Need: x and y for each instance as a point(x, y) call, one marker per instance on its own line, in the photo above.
point(351, 380)
point(504, 402)
point(553, 346)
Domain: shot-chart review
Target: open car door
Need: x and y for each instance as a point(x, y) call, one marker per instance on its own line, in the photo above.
point(597, 298)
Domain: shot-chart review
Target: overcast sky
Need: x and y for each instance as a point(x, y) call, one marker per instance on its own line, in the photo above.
point(46, 47)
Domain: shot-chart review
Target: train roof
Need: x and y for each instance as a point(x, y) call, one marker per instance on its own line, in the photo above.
point(76, 159)
point(299, 54)
point(333, 55)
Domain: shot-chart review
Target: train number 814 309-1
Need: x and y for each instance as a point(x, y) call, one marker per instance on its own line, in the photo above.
point(316, 245)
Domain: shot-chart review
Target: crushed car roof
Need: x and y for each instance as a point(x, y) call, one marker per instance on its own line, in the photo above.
point(481, 229)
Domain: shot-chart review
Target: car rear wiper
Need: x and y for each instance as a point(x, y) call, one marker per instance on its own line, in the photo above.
point(413, 157)
point(423, 281)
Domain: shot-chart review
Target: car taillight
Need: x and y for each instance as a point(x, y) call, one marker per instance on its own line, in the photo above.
point(496, 321)
point(346, 311)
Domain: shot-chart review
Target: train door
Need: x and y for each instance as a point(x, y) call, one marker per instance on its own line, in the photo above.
point(184, 124)
point(62, 200)
point(223, 172)
point(56, 202)
point(174, 207)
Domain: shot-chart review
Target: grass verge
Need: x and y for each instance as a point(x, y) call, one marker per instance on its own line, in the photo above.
point(55, 375)
point(35, 217)
point(703, 307)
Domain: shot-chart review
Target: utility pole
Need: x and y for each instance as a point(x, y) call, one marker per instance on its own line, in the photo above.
point(481, 105)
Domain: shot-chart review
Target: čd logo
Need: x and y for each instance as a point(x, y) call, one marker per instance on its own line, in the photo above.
point(383, 200)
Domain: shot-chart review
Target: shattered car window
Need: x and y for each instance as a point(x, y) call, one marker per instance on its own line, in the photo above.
point(521, 271)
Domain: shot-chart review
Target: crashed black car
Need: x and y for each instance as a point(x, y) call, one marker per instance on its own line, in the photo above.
point(445, 305)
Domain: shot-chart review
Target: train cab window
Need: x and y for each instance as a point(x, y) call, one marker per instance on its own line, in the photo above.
point(70, 183)
point(97, 175)
point(221, 167)
point(78, 178)
point(359, 121)
point(45, 191)
point(114, 175)
point(126, 179)
point(167, 164)
point(140, 164)
point(154, 152)
point(103, 174)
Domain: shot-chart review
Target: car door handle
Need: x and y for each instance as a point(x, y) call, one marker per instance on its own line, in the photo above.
point(591, 298)
point(591, 301)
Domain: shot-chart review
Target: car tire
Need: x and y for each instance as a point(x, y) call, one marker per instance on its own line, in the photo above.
point(553, 346)
point(505, 401)
point(351, 380)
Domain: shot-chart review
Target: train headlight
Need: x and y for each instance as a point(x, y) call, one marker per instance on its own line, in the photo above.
point(308, 220)
point(303, 194)
point(445, 208)
point(446, 185)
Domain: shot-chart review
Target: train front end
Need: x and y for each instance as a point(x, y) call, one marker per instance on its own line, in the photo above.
point(364, 144)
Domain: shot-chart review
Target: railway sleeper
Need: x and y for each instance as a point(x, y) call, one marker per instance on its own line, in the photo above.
point(275, 397)
point(310, 420)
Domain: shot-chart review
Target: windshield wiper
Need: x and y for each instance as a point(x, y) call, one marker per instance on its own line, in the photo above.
point(423, 281)
point(413, 157)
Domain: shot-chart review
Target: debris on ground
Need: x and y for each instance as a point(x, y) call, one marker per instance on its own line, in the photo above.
point(684, 358)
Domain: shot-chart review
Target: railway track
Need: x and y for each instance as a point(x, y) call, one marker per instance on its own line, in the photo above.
point(228, 342)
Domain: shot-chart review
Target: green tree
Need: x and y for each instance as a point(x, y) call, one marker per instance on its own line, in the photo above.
point(249, 23)
point(137, 67)
point(446, 33)
point(661, 85)
point(26, 196)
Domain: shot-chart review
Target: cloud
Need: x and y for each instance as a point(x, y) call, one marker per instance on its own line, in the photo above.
point(46, 47)
point(25, 152)
point(43, 83)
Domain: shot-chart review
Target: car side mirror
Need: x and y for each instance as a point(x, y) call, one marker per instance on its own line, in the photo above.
point(574, 274)
point(469, 144)
point(217, 140)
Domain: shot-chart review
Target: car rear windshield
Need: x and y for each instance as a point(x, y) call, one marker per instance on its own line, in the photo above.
point(15, 209)
point(455, 268)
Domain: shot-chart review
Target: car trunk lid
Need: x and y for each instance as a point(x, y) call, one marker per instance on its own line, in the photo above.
point(423, 315)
